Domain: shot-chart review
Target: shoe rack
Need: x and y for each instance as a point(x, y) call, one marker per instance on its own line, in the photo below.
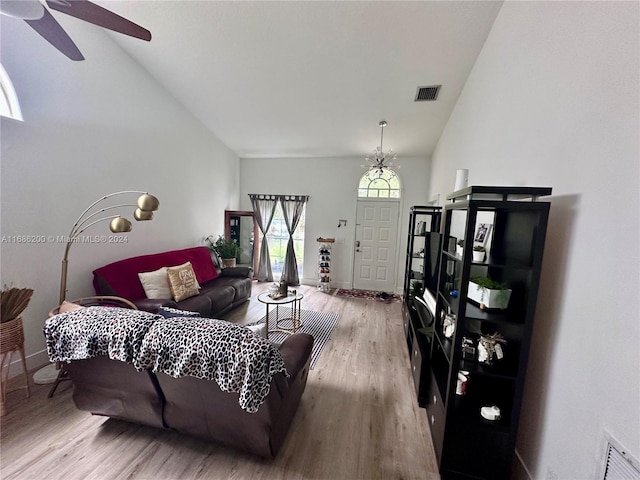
point(324, 263)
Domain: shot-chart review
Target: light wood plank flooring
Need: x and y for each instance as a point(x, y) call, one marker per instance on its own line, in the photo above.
point(358, 418)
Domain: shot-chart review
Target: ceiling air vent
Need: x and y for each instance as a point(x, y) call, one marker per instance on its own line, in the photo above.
point(425, 94)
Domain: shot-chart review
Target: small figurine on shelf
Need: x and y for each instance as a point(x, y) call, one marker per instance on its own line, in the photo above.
point(468, 349)
point(448, 325)
point(489, 347)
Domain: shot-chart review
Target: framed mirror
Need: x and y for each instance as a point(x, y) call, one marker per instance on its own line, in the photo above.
point(241, 227)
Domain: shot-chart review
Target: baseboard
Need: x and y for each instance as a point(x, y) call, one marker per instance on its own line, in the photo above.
point(520, 470)
point(34, 361)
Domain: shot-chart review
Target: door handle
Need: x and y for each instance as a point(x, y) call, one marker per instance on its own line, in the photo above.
point(357, 245)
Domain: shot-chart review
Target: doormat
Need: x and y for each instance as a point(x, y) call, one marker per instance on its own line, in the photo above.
point(319, 325)
point(370, 295)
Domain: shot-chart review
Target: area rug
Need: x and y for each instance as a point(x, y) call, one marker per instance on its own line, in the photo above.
point(319, 325)
point(370, 295)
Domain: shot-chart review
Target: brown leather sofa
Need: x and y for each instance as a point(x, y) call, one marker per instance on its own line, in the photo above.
point(194, 406)
point(220, 289)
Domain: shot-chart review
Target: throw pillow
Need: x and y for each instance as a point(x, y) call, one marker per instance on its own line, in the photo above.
point(168, 312)
point(182, 281)
point(155, 284)
point(69, 307)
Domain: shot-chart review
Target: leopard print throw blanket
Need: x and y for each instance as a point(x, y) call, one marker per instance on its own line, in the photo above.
point(93, 331)
point(234, 357)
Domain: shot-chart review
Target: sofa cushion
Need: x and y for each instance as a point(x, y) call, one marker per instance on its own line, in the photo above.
point(121, 278)
point(209, 301)
point(241, 286)
point(182, 281)
point(156, 283)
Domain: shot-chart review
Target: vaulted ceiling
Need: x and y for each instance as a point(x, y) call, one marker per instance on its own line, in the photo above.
point(312, 78)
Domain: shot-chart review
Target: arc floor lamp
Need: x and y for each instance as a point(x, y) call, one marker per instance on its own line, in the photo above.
point(145, 206)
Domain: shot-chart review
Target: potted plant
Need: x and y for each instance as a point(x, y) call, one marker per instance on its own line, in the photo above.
point(478, 253)
point(488, 293)
point(227, 250)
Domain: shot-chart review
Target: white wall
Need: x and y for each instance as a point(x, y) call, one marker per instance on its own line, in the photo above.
point(553, 101)
point(332, 185)
point(92, 128)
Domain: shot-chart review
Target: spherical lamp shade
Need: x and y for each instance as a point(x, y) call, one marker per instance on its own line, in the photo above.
point(148, 203)
point(120, 225)
point(141, 215)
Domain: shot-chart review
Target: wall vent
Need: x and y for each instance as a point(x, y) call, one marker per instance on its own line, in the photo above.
point(427, 94)
point(618, 464)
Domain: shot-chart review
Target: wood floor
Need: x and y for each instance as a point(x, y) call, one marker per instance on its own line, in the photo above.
point(358, 418)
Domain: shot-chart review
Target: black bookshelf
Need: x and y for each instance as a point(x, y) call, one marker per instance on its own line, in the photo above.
point(421, 268)
point(459, 384)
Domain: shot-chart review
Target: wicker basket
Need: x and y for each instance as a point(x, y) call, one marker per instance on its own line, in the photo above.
point(11, 335)
point(11, 340)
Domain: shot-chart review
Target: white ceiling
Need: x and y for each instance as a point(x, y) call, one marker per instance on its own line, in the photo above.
point(313, 78)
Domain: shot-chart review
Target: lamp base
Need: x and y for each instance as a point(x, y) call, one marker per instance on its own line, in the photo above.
point(46, 375)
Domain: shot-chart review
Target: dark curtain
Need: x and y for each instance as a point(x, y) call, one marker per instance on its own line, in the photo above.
point(292, 208)
point(264, 207)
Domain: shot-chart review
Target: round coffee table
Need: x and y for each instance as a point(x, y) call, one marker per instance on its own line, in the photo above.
point(296, 304)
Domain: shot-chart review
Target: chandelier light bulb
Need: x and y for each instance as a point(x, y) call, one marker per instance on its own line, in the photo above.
point(379, 161)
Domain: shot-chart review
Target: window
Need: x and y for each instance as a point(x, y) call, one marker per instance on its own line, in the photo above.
point(277, 236)
point(379, 184)
point(9, 105)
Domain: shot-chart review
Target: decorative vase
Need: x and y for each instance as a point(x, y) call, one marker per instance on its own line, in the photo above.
point(228, 262)
point(478, 256)
point(488, 298)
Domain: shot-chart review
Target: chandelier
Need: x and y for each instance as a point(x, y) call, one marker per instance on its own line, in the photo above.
point(380, 161)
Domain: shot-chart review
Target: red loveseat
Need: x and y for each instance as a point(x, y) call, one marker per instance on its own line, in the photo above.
point(220, 290)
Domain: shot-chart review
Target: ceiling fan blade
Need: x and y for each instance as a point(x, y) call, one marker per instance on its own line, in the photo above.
point(90, 12)
point(52, 32)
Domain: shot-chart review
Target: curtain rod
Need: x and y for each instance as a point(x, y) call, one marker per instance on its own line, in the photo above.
point(270, 196)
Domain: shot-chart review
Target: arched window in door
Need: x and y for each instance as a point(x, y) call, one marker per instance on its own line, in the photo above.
point(378, 183)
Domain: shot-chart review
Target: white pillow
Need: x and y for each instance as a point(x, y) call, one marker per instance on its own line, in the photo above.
point(156, 284)
point(259, 329)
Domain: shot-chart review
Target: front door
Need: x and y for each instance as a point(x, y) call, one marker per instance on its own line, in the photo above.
point(376, 244)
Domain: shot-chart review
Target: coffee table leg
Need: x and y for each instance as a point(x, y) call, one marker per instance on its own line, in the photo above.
point(297, 307)
point(267, 320)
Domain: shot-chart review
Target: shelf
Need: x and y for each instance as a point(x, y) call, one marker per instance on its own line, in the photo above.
point(481, 192)
point(467, 445)
point(492, 261)
point(445, 345)
point(474, 312)
point(502, 369)
point(324, 264)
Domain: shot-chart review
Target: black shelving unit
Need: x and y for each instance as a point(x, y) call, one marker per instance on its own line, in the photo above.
point(234, 230)
point(423, 254)
point(466, 444)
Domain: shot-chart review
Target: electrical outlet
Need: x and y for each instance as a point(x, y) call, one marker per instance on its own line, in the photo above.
point(551, 474)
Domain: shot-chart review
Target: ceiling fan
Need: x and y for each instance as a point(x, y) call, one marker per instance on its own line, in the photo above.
point(40, 19)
